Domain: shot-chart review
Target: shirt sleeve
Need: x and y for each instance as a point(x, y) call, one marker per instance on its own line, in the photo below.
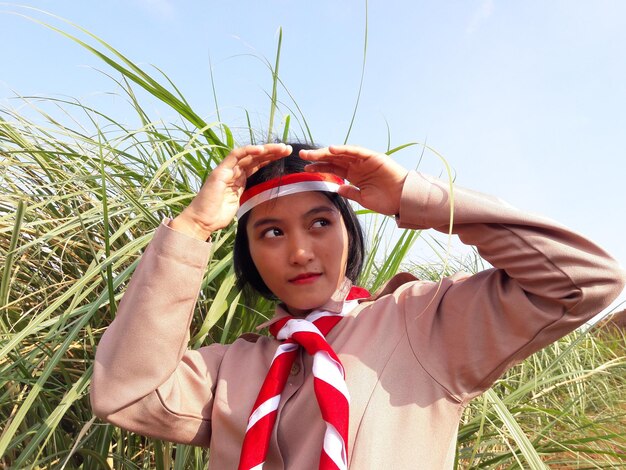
point(145, 379)
point(546, 281)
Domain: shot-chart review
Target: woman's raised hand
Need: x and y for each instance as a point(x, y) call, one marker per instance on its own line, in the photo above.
point(216, 204)
point(377, 179)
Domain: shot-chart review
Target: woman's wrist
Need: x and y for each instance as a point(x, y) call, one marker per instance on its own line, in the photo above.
point(185, 225)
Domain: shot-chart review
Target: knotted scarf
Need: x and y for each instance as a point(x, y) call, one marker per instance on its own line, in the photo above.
point(328, 382)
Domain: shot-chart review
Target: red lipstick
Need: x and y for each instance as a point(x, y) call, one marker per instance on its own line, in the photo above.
point(305, 278)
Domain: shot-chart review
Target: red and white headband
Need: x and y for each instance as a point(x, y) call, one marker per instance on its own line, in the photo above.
point(286, 185)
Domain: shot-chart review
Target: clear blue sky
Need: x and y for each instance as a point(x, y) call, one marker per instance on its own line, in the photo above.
point(526, 100)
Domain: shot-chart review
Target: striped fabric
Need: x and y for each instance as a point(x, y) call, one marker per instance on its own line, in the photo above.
point(286, 185)
point(328, 382)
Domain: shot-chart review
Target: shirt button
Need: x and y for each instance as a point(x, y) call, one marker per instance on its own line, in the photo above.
point(295, 369)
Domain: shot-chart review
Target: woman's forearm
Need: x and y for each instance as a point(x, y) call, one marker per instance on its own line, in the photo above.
point(142, 358)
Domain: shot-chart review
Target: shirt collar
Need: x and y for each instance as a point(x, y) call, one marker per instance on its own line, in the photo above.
point(334, 304)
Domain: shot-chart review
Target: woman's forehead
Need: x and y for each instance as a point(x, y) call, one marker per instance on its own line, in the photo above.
point(294, 205)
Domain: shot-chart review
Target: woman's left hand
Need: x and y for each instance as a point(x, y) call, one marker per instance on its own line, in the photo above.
point(377, 179)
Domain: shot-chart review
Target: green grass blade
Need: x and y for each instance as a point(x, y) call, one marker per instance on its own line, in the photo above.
point(10, 256)
point(252, 139)
point(39, 386)
point(44, 433)
point(525, 446)
point(286, 129)
point(218, 307)
point(274, 98)
point(358, 96)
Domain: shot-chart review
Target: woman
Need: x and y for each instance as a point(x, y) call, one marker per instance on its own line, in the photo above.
point(414, 354)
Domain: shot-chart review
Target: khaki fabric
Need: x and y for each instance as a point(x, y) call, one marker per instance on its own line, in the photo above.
point(415, 353)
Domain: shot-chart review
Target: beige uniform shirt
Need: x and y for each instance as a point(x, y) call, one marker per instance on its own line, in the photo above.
point(414, 355)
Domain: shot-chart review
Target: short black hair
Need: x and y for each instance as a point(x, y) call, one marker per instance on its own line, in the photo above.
point(248, 277)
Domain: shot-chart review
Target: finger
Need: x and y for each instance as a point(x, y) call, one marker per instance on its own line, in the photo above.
point(308, 154)
point(276, 148)
point(325, 156)
point(240, 153)
point(261, 148)
point(250, 170)
point(252, 163)
point(268, 152)
point(236, 154)
point(341, 171)
point(352, 150)
point(315, 151)
point(252, 160)
point(350, 192)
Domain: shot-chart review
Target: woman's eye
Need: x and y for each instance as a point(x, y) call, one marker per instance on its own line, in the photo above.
point(320, 223)
point(271, 233)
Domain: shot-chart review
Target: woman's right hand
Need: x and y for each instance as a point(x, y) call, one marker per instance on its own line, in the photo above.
point(216, 204)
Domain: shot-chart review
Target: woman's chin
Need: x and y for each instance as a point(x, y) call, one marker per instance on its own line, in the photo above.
point(301, 309)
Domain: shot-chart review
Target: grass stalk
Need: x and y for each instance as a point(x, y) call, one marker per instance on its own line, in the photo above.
point(274, 98)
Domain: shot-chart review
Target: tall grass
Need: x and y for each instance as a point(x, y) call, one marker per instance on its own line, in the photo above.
point(81, 194)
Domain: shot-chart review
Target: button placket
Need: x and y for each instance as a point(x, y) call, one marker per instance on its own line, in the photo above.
point(296, 373)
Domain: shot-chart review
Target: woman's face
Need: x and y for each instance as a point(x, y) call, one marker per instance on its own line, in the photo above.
point(299, 245)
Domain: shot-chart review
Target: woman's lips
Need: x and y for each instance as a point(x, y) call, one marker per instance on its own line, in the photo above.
point(306, 278)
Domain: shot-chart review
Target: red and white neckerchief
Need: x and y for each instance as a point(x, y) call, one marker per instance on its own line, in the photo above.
point(286, 185)
point(328, 382)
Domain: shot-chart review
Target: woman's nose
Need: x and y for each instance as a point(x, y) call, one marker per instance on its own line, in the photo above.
point(300, 253)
